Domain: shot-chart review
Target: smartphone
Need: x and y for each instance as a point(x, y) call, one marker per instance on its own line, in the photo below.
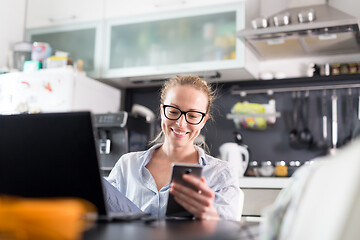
point(173, 208)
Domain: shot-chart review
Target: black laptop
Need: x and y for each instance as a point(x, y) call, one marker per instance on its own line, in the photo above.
point(52, 155)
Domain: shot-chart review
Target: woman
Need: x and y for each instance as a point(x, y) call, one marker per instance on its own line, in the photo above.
point(143, 177)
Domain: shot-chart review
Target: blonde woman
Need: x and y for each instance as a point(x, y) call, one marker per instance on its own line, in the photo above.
point(144, 177)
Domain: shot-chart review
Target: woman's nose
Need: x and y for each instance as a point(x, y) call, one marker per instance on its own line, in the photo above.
point(181, 121)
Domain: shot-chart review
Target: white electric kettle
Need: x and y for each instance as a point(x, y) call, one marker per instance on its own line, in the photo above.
point(236, 155)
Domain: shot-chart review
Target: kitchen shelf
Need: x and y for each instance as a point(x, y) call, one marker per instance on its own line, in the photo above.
point(264, 182)
point(297, 84)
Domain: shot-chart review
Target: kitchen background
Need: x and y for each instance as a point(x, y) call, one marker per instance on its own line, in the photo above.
point(143, 34)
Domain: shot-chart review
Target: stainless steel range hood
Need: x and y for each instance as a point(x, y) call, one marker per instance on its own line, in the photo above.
point(332, 32)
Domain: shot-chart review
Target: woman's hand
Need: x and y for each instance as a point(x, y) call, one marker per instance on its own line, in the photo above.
point(199, 202)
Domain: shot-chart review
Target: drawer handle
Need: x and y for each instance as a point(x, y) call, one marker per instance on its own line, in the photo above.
point(61, 19)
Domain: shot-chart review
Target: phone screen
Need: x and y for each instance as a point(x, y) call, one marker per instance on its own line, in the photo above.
point(173, 208)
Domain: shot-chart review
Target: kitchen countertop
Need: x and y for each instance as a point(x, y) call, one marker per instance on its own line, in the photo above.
point(264, 182)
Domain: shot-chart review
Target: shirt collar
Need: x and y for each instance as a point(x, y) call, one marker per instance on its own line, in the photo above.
point(202, 158)
point(148, 154)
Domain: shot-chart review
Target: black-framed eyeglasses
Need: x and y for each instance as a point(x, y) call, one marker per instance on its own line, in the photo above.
point(191, 117)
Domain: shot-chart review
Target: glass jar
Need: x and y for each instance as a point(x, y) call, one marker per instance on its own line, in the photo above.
point(335, 69)
point(353, 68)
point(253, 169)
point(281, 170)
point(344, 68)
point(293, 166)
point(266, 169)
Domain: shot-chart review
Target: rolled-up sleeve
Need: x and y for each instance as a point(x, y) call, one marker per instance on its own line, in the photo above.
point(229, 198)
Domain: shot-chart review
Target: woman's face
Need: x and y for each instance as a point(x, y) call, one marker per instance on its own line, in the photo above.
point(179, 133)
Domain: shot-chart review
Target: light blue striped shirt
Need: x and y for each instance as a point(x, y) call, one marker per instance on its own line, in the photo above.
point(133, 179)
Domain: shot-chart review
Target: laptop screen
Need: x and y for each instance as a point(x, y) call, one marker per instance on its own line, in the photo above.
point(50, 155)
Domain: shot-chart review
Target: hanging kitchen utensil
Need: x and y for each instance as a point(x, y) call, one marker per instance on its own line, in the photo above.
point(305, 136)
point(356, 132)
point(348, 117)
point(334, 125)
point(322, 143)
point(359, 108)
point(294, 133)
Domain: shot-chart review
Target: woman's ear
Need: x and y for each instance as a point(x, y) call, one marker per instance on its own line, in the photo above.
point(161, 110)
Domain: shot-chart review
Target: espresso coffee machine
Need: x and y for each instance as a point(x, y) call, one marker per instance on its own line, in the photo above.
point(117, 134)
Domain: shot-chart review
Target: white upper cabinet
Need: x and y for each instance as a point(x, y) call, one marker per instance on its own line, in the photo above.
point(191, 40)
point(81, 40)
point(121, 8)
point(43, 13)
point(118, 39)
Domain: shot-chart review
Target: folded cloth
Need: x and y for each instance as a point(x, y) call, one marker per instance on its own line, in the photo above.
point(40, 219)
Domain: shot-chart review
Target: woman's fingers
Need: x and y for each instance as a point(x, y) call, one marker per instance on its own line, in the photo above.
point(199, 184)
point(191, 206)
point(199, 200)
point(186, 193)
point(199, 210)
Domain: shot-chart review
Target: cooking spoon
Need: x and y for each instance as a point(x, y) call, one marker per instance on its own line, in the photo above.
point(293, 135)
point(305, 136)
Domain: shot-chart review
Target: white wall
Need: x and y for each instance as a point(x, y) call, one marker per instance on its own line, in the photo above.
point(12, 15)
point(351, 7)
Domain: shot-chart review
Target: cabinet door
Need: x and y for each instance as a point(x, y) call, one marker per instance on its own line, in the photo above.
point(174, 42)
point(42, 13)
point(81, 41)
point(121, 8)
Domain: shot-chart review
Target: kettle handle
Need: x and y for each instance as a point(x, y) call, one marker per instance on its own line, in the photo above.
point(244, 152)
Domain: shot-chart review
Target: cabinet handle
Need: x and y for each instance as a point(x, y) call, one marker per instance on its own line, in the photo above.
point(61, 19)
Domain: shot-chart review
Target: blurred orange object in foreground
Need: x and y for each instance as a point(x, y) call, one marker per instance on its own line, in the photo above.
point(45, 218)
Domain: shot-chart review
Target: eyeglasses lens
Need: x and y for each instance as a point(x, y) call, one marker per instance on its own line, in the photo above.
point(191, 117)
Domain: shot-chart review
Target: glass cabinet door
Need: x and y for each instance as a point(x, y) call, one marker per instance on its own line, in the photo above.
point(165, 44)
point(79, 41)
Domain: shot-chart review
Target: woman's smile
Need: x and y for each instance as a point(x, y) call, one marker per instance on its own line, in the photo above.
point(179, 132)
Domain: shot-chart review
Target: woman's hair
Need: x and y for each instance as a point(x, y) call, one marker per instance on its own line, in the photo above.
point(195, 82)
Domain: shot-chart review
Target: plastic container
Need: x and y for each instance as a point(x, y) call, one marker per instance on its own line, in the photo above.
point(22, 53)
point(56, 62)
point(32, 66)
point(40, 51)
